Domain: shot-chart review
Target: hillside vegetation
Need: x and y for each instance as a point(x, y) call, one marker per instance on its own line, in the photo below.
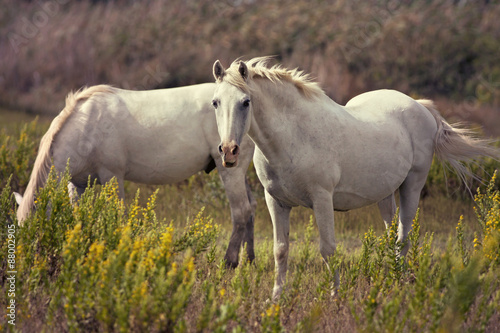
point(425, 48)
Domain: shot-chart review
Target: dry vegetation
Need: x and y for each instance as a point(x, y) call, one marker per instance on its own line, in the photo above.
point(425, 48)
point(155, 264)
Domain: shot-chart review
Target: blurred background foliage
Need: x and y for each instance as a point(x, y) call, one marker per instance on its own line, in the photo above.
point(431, 48)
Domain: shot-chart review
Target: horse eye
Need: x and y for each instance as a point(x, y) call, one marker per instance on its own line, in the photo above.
point(246, 103)
point(214, 103)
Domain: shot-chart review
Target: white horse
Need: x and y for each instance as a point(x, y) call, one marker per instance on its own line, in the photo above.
point(151, 137)
point(313, 152)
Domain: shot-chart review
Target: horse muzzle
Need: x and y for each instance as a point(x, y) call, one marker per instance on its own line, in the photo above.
point(229, 153)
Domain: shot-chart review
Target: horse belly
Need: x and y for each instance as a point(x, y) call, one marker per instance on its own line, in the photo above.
point(373, 172)
point(161, 167)
point(348, 201)
point(366, 191)
point(364, 186)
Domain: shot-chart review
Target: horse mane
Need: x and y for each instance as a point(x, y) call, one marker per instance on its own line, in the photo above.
point(43, 161)
point(257, 68)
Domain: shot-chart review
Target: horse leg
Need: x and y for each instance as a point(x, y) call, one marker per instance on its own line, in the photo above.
point(242, 214)
point(387, 207)
point(249, 231)
point(280, 216)
point(323, 212)
point(409, 193)
point(75, 192)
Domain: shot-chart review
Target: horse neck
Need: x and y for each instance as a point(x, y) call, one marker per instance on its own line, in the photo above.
point(278, 109)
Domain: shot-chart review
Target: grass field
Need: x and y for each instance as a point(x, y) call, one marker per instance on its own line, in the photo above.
point(154, 263)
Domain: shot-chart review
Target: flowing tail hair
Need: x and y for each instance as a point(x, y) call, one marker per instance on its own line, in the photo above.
point(43, 161)
point(458, 146)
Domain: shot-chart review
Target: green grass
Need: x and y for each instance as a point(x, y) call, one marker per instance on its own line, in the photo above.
point(154, 262)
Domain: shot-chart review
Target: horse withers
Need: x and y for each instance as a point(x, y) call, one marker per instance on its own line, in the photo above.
point(313, 152)
point(151, 137)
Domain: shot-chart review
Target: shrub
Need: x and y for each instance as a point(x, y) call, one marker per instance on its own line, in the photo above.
point(18, 155)
point(103, 266)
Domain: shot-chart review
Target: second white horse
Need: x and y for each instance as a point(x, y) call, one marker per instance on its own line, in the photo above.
point(151, 137)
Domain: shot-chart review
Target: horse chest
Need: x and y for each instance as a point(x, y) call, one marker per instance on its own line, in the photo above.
point(281, 184)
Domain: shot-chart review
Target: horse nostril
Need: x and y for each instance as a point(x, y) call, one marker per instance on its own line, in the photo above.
point(235, 150)
point(220, 149)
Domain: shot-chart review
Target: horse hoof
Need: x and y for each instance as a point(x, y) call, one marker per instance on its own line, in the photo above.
point(231, 264)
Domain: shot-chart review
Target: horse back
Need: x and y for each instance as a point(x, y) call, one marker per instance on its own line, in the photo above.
point(140, 135)
point(389, 106)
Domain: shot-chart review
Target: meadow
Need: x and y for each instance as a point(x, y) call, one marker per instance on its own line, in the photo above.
point(154, 262)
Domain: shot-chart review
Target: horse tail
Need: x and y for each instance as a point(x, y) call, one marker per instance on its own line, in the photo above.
point(458, 146)
point(43, 161)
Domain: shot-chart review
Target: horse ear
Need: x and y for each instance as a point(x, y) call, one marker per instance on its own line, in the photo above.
point(243, 69)
point(218, 71)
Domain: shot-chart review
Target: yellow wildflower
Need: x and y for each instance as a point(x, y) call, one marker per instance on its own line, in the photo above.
point(173, 270)
point(190, 265)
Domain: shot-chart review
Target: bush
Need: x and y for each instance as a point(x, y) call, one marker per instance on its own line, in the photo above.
point(102, 266)
point(17, 156)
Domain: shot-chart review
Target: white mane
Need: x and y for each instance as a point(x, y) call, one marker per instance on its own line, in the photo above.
point(257, 68)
